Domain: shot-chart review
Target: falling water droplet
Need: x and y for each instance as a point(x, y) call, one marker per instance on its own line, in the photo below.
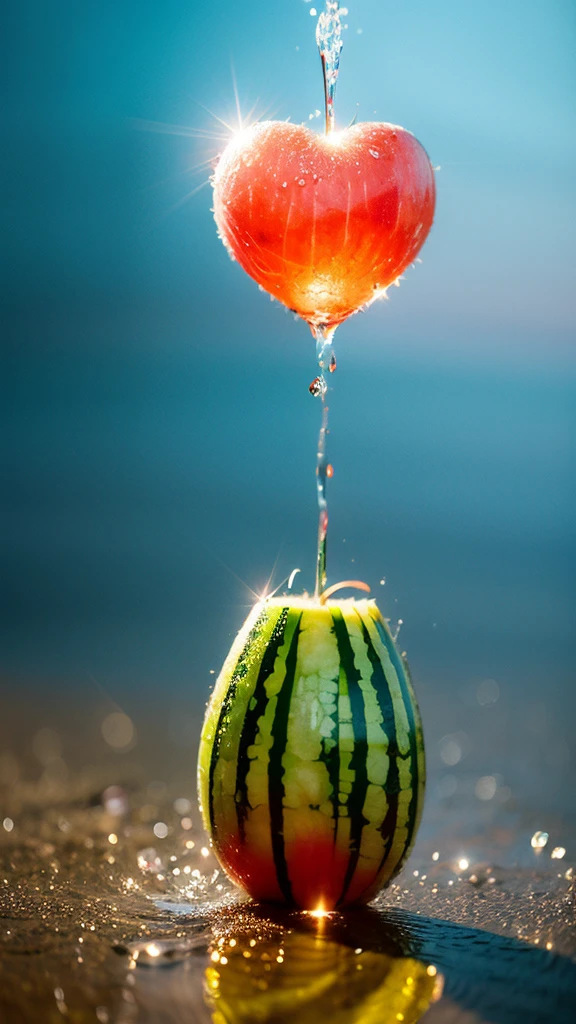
point(332, 366)
point(318, 387)
point(329, 470)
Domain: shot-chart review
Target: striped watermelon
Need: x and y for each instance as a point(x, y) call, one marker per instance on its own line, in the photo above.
point(311, 766)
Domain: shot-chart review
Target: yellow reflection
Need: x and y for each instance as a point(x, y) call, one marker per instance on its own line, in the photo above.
point(298, 977)
point(319, 912)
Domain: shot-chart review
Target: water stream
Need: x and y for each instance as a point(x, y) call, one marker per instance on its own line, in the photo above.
point(319, 388)
point(329, 40)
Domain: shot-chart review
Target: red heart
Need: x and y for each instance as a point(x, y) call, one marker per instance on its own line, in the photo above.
point(324, 222)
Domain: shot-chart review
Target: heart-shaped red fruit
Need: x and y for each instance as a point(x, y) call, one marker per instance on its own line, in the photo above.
point(324, 223)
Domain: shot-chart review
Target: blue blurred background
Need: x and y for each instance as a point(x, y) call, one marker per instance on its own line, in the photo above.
point(160, 435)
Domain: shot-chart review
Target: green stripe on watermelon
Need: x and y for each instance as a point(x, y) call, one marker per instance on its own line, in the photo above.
point(360, 746)
point(378, 764)
point(238, 679)
point(415, 748)
point(276, 770)
point(254, 713)
point(419, 746)
point(388, 826)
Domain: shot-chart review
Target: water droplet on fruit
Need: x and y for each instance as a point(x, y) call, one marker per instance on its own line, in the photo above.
point(284, 184)
point(374, 153)
point(301, 181)
point(318, 387)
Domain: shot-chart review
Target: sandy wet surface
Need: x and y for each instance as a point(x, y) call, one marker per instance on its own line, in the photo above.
point(114, 909)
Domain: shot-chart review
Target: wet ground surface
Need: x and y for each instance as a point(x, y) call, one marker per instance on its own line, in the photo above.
point(138, 505)
point(113, 910)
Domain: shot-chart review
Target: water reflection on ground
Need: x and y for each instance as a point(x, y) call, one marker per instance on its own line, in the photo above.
point(264, 969)
point(114, 910)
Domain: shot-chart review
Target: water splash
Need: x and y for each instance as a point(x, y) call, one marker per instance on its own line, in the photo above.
point(329, 40)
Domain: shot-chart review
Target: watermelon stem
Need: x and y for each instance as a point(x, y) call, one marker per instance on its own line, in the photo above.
point(354, 584)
